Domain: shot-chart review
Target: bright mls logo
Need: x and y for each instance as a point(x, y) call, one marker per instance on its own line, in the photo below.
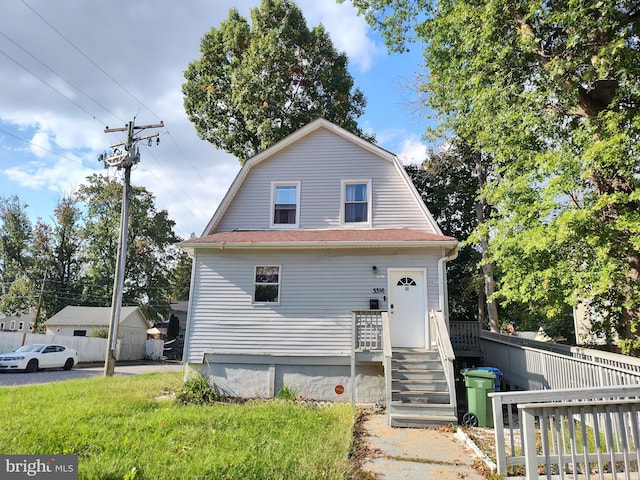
point(51, 467)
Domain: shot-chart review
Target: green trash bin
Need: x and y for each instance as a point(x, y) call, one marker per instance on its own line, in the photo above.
point(479, 410)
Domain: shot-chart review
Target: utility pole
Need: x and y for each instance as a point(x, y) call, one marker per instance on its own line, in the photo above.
point(122, 160)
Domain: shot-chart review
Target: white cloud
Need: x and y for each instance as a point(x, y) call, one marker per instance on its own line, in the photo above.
point(60, 176)
point(40, 144)
point(412, 151)
point(349, 32)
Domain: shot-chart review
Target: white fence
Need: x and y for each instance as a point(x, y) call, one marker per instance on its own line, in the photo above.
point(531, 365)
point(89, 349)
point(512, 410)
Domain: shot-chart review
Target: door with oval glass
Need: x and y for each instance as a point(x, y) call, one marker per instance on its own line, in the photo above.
point(407, 308)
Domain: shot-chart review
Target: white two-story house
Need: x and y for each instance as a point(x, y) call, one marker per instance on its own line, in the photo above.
point(321, 256)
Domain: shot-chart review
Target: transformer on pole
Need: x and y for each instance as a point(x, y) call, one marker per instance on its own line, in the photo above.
point(122, 160)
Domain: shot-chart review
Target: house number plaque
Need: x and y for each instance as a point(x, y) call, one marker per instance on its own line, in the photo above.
point(378, 290)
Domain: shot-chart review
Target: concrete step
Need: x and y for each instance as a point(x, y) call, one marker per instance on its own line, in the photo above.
point(420, 396)
point(419, 385)
point(422, 421)
point(417, 374)
point(416, 364)
point(434, 409)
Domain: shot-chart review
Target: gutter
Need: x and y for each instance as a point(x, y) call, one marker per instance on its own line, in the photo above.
point(442, 277)
point(321, 244)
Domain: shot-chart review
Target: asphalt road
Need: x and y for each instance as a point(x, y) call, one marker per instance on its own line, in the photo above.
point(8, 379)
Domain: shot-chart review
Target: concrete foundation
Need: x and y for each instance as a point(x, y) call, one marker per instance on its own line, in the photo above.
point(316, 378)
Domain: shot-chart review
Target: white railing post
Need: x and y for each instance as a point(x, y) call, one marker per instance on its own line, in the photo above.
point(386, 346)
point(353, 357)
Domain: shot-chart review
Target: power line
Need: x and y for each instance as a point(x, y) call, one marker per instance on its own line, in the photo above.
point(75, 47)
point(59, 75)
point(43, 148)
point(52, 87)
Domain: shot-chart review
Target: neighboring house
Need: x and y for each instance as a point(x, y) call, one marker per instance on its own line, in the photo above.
point(81, 321)
point(16, 323)
point(318, 226)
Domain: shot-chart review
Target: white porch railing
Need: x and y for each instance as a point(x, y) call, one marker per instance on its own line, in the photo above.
point(368, 329)
point(532, 365)
point(465, 336)
point(447, 357)
point(514, 445)
point(386, 343)
point(599, 438)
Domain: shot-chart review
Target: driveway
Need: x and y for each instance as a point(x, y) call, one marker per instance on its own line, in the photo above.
point(8, 379)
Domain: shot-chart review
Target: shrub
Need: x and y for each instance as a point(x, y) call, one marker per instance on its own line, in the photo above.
point(287, 393)
point(99, 333)
point(198, 390)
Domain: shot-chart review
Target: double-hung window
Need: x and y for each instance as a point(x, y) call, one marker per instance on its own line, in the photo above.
point(285, 201)
point(356, 202)
point(267, 284)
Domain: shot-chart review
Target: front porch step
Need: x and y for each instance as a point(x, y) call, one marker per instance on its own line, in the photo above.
point(417, 374)
point(419, 391)
point(435, 409)
point(420, 396)
point(422, 421)
point(424, 385)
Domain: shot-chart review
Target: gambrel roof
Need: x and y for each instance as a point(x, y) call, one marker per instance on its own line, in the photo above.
point(297, 136)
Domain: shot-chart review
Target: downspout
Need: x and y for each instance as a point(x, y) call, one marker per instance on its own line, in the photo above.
point(442, 277)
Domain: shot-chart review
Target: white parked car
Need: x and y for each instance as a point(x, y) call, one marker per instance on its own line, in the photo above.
point(39, 355)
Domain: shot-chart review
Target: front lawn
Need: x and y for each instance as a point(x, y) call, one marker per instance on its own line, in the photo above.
point(119, 428)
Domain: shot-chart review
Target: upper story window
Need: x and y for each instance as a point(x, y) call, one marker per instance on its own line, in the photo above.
point(356, 202)
point(285, 201)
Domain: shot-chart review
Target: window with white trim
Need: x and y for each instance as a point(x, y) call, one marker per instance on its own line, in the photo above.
point(285, 202)
point(267, 284)
point(356, 201)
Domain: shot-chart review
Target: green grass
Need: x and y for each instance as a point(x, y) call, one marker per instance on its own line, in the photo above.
point(118, 429)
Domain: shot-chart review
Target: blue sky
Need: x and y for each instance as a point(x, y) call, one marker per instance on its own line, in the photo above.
point(70, 68)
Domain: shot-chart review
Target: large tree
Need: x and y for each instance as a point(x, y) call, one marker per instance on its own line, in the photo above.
point(551, 91)
point(256, 82)
point(16, 260)
point(151, 250)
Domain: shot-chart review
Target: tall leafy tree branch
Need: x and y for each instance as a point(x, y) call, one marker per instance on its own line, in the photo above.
point(550, 90)
point(256, 82)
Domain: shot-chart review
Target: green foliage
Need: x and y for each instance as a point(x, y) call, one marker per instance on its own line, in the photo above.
point(549, 90)
point(150, 245)
point(198, 390)
point(180, 281)
point(117, 426)
point(258, 81)
point(449, 187)
point(287, 393)
point(99, 333)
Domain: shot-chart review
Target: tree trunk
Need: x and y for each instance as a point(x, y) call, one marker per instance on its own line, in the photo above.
point(487, 267)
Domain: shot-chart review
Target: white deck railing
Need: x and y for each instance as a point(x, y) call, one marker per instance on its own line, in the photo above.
point(465, 336)
point(532, 365)
point(368, 329)
point(387, 354)
point(445, 349)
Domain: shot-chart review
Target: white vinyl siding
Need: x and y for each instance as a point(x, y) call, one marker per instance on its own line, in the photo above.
point(318, 292)
point(328, 160)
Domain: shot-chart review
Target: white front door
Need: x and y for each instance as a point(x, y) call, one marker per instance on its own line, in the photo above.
point(407, 308)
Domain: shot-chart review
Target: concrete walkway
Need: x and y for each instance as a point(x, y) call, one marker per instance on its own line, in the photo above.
point(417, 454)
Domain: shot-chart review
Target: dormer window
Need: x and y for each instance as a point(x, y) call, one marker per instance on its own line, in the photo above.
point(356, 197)
point(285, 201)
